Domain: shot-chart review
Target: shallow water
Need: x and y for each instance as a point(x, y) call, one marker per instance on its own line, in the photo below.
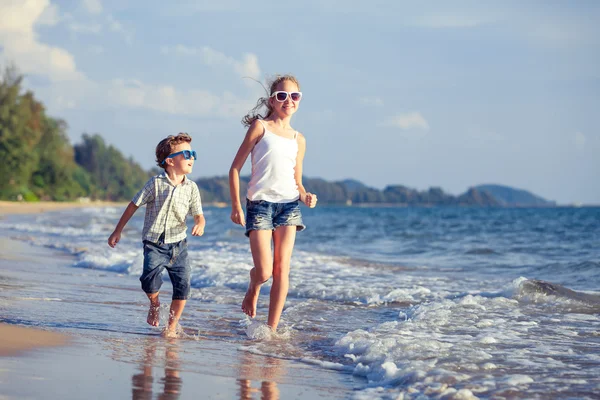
point(441, 302)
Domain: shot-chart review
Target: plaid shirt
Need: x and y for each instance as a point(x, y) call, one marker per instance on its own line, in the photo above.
point(167, 206)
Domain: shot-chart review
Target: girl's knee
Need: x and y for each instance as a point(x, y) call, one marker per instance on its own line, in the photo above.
point(281, 271)
point(263, 277)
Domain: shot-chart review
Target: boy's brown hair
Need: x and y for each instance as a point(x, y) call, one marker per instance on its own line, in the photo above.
point(165, 147)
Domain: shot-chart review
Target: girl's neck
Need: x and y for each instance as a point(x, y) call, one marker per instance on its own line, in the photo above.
point(174, 177)
point(282, 123)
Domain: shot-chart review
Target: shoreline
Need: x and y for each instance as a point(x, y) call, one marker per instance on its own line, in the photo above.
point(21, 207)
point(56, 318)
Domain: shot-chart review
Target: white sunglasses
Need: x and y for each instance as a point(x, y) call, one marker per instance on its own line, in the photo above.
point(282, 96)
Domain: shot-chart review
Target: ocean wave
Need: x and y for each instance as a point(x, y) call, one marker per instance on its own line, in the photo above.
point(480, 251)
point(542, 292)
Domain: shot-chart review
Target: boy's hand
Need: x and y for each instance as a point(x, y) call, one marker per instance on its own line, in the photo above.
point(114, 239)
point(198, 230)
point(237, 216)
point(309, 199)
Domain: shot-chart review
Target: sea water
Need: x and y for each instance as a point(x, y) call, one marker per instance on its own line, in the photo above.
point(414, 302)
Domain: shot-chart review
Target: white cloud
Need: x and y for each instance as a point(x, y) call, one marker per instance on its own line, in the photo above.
point(450, 21)
point(248, 66)
point(69, 88)
point(50, 16)
point(405, 121)
point(580, 140)
point(117, 27)
point(93, 6)
point(166, 98)
point(371, 101)
point(96, 50)
point(486, 136)
point(22, 47)
point(85, 28)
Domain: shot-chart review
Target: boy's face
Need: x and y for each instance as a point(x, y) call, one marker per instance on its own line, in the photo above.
point(179, 164)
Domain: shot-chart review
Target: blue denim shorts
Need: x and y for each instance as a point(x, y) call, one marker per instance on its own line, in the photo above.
point(173, 257)
point(264, 215)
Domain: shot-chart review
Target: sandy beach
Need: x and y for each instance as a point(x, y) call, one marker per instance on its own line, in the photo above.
point(73, 333)
point(22, 207)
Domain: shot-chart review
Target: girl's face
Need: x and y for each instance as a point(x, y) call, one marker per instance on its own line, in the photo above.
point(288, 107)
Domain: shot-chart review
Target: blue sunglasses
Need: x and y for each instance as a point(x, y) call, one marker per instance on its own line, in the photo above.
point(187, 154)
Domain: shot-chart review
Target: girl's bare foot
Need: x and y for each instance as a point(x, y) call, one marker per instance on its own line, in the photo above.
point(170, 334)
point(249, 303)
point(173, 331)
point(153, 314)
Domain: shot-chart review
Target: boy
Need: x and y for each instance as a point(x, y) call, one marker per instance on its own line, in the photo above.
point(169, 198)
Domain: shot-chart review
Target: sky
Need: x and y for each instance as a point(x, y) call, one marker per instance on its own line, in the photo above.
point(421, 94)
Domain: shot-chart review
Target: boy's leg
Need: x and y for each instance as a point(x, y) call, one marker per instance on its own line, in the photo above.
point(177, 307)
point(180, 275)
point(155, 258)
point(283, 239)
point(154, 311)
point(260, 246)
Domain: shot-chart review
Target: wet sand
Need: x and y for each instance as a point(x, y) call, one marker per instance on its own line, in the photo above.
point(16, 339)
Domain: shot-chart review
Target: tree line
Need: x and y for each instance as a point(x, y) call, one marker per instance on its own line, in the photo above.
point(39, 162)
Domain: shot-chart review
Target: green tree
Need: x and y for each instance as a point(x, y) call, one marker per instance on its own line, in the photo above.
point(113, 177)
point(20, 131)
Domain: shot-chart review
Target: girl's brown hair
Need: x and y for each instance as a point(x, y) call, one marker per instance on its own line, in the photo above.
point(254, 114)
point(165, 147)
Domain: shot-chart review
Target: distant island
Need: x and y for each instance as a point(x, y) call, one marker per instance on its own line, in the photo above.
point(353, 192)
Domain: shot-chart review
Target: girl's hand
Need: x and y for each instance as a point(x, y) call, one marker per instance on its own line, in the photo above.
point(237, 216)
point(309, 199)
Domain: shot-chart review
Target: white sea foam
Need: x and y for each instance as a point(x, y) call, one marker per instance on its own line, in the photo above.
point(440, 341)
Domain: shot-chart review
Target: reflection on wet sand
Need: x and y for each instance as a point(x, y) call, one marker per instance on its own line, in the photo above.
point(266, 370)
point(142, 383)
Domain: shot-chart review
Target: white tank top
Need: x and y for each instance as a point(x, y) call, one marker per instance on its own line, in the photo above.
point(273, 163)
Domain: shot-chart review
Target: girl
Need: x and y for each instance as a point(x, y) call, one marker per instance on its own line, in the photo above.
point(272, 209)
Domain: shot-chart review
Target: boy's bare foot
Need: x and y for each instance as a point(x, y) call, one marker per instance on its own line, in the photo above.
point(249, 303)
point(153, 315)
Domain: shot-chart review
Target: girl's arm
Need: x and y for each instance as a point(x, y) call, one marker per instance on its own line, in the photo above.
point(127, 214)
point(253, 135)
point(307, 198)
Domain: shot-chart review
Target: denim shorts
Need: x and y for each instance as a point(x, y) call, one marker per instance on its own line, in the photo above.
point(264, 215)
point(173, 257)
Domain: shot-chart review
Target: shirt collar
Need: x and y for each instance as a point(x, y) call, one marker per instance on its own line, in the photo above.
point(164, 176)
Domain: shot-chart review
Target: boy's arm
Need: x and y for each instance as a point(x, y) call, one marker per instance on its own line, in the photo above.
point(199, 223)
point(127, 214)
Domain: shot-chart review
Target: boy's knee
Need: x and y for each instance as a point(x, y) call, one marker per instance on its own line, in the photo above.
point(151, 280)
point(150, 286)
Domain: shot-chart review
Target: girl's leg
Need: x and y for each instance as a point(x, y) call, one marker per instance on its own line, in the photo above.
point(260, 246)
point(283, 239)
